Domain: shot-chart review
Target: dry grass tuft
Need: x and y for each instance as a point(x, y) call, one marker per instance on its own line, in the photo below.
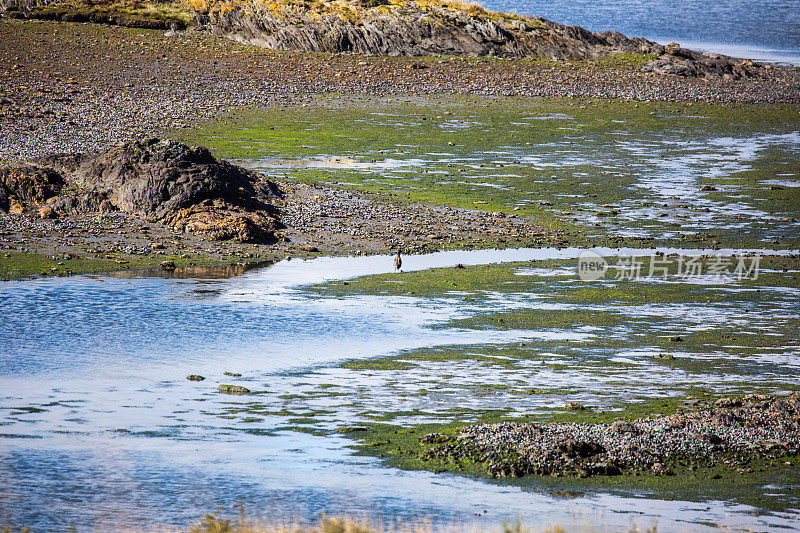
point(211, 523)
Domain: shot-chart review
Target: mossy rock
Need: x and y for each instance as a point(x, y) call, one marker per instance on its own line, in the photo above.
point(233, 389)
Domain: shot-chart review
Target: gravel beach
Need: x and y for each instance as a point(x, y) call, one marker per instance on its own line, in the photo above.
point(68, 87)
point(77, 87)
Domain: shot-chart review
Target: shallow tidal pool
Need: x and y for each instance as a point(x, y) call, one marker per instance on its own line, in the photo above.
point(101, 428)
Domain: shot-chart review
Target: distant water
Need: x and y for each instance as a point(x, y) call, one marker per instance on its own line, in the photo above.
point(766, 30)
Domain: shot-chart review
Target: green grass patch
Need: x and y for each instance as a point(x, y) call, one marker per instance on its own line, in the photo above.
point(17, 265)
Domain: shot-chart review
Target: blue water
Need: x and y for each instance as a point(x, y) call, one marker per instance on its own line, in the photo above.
point(100, 430)
point(767, 30)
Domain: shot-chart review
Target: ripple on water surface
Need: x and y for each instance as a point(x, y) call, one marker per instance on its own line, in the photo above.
point(100, 426)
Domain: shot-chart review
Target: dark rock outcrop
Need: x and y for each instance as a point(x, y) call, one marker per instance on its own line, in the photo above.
point(688, 63)
point(26, 187)
point(410, 28)
point(184, 188)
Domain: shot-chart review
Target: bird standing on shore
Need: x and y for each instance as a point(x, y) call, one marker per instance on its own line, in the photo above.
point(397, 261)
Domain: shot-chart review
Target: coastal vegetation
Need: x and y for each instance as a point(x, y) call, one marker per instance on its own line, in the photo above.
point(133, 13)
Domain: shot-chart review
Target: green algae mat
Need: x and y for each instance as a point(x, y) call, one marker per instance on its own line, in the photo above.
point(672, 172)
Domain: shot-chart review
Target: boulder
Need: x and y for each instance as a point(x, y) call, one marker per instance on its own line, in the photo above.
point(27, 186)
point(688, 63)
point(185, 188)
point(436, 438)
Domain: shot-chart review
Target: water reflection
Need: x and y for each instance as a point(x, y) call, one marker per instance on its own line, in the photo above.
point(100, 428)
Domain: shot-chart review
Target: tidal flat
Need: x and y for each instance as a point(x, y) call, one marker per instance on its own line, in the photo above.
point(340, 365)
point(630, 362)
point(300, 378)
point(669, 172)
point(331, 366)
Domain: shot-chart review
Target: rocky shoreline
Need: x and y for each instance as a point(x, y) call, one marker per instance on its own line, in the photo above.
point(391, 28)
point(75, 88)
point(732, 431)
point(430, 28)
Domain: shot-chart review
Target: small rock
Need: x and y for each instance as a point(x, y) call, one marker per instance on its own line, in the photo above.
point(708, 188)
point(106, 206)
point(195, 377)
point(233, 389)
point(660, 469)
point(676, 422)
point(350, 429)
point(624, 426)
point(233, 374)
point(167, 265)
point(728, 402)
point(676, 338)
point(15, 207)
point(574, 406)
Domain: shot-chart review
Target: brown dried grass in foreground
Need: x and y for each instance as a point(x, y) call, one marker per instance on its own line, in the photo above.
point(211, 523)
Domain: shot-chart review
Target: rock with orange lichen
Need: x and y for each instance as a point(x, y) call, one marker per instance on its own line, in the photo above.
point(25, 187)
point(441, 27)
point(222, 222)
